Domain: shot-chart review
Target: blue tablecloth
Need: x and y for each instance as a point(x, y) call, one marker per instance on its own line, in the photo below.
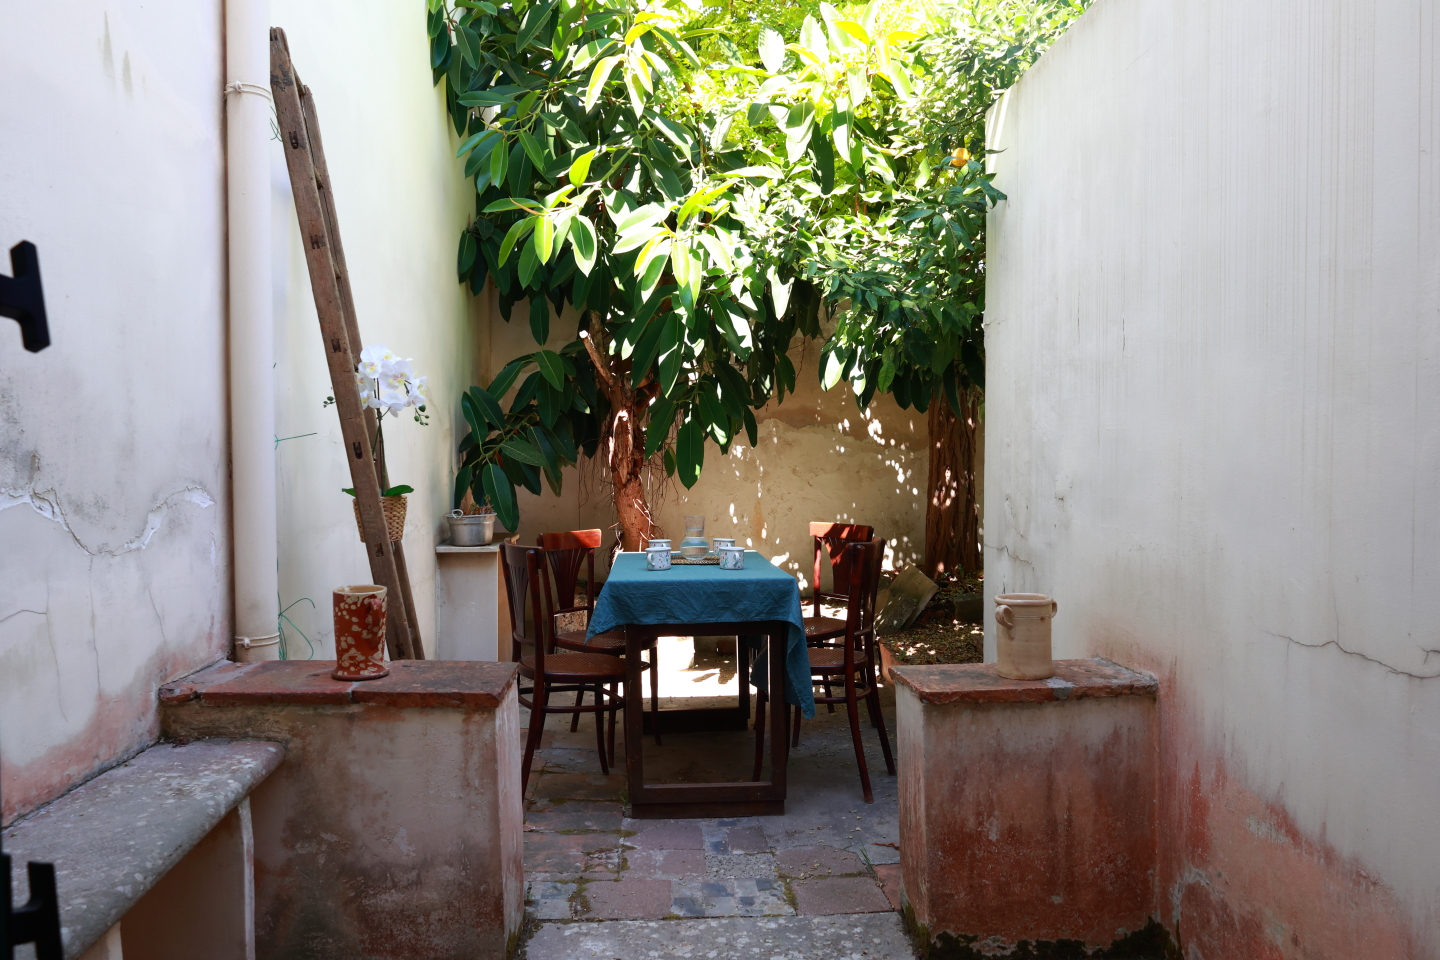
point(693, 593)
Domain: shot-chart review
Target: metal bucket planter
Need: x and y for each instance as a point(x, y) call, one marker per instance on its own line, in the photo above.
point(470, 530)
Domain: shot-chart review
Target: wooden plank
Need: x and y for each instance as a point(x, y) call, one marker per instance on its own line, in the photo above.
point(338, 356)
point(352, 330)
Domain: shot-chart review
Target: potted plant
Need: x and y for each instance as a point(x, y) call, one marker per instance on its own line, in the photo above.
point(388, 385)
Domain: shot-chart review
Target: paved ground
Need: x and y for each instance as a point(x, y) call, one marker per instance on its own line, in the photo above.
point(820, 881)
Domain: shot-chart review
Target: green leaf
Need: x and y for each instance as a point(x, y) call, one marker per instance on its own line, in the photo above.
point(535, 19)
point(516, 233)
point(752, 429)
point(466, 257)
point(488, 404)
point(772, 50)
point(580, 169)
point(539, 319)
point(544, 239)
point(523, 451)
point(500, 492)
point(585, 243)
point(499, 162)
point(551, 368)
point(690, 451)
point(671, 352)
point(646, 350)
point(533, 148)
point(397, 491)
point(505, 379)
point(525, 269)
point(657, 428)
point(598, 78)
point(462, 483)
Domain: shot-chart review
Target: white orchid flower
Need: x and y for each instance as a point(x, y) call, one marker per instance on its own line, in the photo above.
point(373, 361)
point(417, 396)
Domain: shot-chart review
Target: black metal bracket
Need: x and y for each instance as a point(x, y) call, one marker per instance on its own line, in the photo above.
point(21, 296)
point(38, 921)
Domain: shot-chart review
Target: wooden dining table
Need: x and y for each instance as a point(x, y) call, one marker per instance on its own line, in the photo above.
point(761, 606)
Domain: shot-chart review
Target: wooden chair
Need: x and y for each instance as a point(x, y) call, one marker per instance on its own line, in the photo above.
point(548, 671)
point(851, 664)
point(567, 551)
point(833, 538)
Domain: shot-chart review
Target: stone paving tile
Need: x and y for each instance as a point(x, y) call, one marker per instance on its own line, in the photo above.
point(828, 896)
point(872, 937)
point(577, 815)
point(889, 876)
point(666, 864)
point(817, 862)
point(729, 898)
point(665, 835)
point(628, 899)
point(576, 786)
point(566, 853)
point(549, 901)
point(723, 865)
point(748, 839)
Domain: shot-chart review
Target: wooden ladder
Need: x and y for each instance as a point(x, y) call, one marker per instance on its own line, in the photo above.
point(335, 305)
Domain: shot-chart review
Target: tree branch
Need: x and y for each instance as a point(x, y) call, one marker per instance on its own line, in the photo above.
point(602, 366)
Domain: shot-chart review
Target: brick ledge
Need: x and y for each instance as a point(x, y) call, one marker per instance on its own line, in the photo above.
point(412, 683)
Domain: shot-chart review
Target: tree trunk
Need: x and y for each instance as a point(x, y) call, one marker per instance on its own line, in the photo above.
point(624, 444)
point(952, 510)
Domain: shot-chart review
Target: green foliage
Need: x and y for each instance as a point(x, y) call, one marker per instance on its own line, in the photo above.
point(602, 183)
point(550, 422)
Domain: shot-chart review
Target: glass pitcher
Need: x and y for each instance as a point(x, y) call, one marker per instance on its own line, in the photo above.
point(694, 546)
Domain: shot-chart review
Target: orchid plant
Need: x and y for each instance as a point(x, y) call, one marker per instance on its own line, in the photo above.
point(388, 384)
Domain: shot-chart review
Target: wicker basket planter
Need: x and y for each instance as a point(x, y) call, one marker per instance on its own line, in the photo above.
point(394, 517)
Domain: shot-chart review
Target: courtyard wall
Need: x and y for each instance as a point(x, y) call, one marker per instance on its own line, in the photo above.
point(1214, 366)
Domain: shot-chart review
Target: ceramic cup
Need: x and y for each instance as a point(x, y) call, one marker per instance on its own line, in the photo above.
point(665, 543)
point(732, 558)
point(657, 558)
point(360, 633)
point(718, 542)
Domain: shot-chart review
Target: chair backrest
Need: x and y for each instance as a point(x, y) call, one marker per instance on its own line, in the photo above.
point(866, 559)
point(568, 551)
point(527, 584)
point(834, 538)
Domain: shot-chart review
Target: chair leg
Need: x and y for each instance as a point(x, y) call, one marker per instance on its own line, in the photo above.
point(852, 708)
point(877, 720)
point(538, 698)
point(795, 734)
point(828, 693)
point(600, 729)
point(654, 690)
point(575, 717)
point(759, 733)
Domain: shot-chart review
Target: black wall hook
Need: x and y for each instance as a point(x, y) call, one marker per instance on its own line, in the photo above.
point(22, 298)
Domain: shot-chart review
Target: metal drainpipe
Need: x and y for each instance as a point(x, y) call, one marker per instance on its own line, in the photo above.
point(252, 334)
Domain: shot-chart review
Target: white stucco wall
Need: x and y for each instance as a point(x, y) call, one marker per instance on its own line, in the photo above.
point(402, 203)
point(1214, 376)
point(114, 533)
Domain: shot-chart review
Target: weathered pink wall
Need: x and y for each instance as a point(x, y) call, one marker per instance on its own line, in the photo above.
point(393, 829)
point(1028, 808)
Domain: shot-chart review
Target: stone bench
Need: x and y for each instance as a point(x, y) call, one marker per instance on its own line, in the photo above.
point(1028, 810)
point(394, 827)
point(161, 843)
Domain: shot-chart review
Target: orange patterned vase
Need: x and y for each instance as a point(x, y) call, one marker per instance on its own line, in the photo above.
point(360, 632)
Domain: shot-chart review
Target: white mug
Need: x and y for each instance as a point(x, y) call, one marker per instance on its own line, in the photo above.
point(732, 558)
point(719, 542)
point(657, 558)
point(665, 543)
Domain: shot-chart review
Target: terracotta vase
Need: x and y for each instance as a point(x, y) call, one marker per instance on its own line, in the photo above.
point(1023, 639)
point(360, 632)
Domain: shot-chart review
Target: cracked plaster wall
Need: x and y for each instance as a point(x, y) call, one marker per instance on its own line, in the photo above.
point(1214, 375)
point(114, 539)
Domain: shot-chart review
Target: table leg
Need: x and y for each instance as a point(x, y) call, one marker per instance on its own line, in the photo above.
point(779, 715)
point(634, 714)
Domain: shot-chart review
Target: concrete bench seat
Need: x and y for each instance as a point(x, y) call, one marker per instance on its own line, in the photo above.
point(115, 838)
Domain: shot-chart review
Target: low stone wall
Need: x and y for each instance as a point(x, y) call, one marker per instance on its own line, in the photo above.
point(392, 830)
point(1028, 811)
